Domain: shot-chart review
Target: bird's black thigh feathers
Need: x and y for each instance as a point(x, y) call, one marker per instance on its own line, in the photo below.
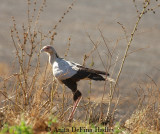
point(73, 86)
point(81, 74)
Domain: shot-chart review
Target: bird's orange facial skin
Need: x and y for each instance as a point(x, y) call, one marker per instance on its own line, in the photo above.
point(47, 49)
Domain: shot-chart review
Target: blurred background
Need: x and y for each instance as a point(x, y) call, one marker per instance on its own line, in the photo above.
point(87, 16)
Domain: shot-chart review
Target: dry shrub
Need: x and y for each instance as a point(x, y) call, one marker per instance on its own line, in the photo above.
point(147, 115)
point(31, 93)
point(28, 94)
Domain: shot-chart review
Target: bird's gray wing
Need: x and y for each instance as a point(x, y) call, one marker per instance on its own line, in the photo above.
point(82, 68)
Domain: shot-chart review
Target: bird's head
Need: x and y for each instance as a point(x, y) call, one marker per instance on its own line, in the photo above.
point(48, 49)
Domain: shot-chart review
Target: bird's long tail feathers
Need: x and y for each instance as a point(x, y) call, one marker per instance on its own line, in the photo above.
point(86, 73)
point(110, 79)
point(96, 77)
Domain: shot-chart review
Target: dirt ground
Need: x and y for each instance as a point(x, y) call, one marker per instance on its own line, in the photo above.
point(88, 16)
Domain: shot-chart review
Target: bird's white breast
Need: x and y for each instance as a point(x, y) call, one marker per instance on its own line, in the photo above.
point(63, 69)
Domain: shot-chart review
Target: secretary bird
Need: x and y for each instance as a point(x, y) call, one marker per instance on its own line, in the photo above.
point(69, 73)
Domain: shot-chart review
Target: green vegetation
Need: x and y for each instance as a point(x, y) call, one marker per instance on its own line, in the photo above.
point(18, 129)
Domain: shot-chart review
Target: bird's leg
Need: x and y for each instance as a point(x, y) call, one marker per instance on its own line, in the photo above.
point(76, 103)
point(76, 97)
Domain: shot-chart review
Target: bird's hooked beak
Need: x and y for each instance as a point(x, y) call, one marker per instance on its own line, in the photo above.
point(42, 50)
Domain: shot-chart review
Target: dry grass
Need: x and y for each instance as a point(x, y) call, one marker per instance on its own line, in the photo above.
point(30, 94)
point(147, 116)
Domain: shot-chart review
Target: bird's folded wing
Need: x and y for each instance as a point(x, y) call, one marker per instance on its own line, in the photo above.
point(92, 70)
